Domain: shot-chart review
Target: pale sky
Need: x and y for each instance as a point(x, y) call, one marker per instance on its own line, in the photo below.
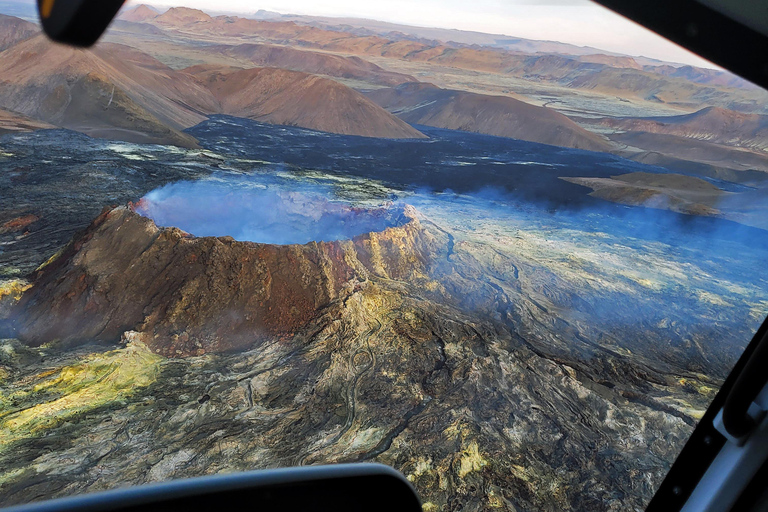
point(579, 22)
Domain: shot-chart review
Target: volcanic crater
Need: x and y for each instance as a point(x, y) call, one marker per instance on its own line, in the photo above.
point(183, 295)
point(568, 352)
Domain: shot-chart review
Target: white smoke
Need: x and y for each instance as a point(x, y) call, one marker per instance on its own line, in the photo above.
point(259, 210)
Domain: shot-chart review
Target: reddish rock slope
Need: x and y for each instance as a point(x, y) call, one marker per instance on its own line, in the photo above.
point(187, 296)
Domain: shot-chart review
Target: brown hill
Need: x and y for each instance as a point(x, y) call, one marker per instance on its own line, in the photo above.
point(695, 150)
point(314, 62)
point(420, 103)
point(14, 30)
point(615, 61)
point(139, 13)
point(702, 76)
point(708, 124)
point(197, 22)
point(182, 16)
point(112, 91)
point(293, 98)
point(607, 74)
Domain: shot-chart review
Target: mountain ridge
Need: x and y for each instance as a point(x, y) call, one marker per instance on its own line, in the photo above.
point(427, 104)
point(115, 91)
point(318, 34)
point(280, 96)
point(713, 124)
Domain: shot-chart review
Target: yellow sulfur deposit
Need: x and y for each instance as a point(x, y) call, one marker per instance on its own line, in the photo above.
point(471, 460)
point(98, 380)
point(13, 289)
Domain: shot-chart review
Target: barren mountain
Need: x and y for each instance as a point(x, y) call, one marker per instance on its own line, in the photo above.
point(708, 124)
point(688, 87)
point(458, 38)
point(318, 63)
point(139, 13)
point(182, 16)
point(615, 61)
point(299, 99)
point(13, 30)
point(135, 27)
point(443, 360)
point(420, 103)
point(694, 150)
point(195, 21)
point(115, 91)
point(701, 75)
point(112, 91)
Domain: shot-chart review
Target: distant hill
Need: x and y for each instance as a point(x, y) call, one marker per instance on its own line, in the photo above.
point(14, 30)
point(298, 99)
point(182, 16)
point(615, 61)
point(700, 75)
point(140, 13)
point(428, 35)
point(367, 27)
point(136, 27)
point(314, 62)
point(421, 103)
point(685, 87)
point(711, 124)
point(362, 26)
point(112, 91)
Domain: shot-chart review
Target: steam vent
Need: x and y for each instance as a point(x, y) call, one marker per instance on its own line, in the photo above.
point(183, 295)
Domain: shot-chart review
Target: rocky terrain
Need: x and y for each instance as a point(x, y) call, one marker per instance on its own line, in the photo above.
point(230, 244)
point(499, 354)
point(417, 373)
